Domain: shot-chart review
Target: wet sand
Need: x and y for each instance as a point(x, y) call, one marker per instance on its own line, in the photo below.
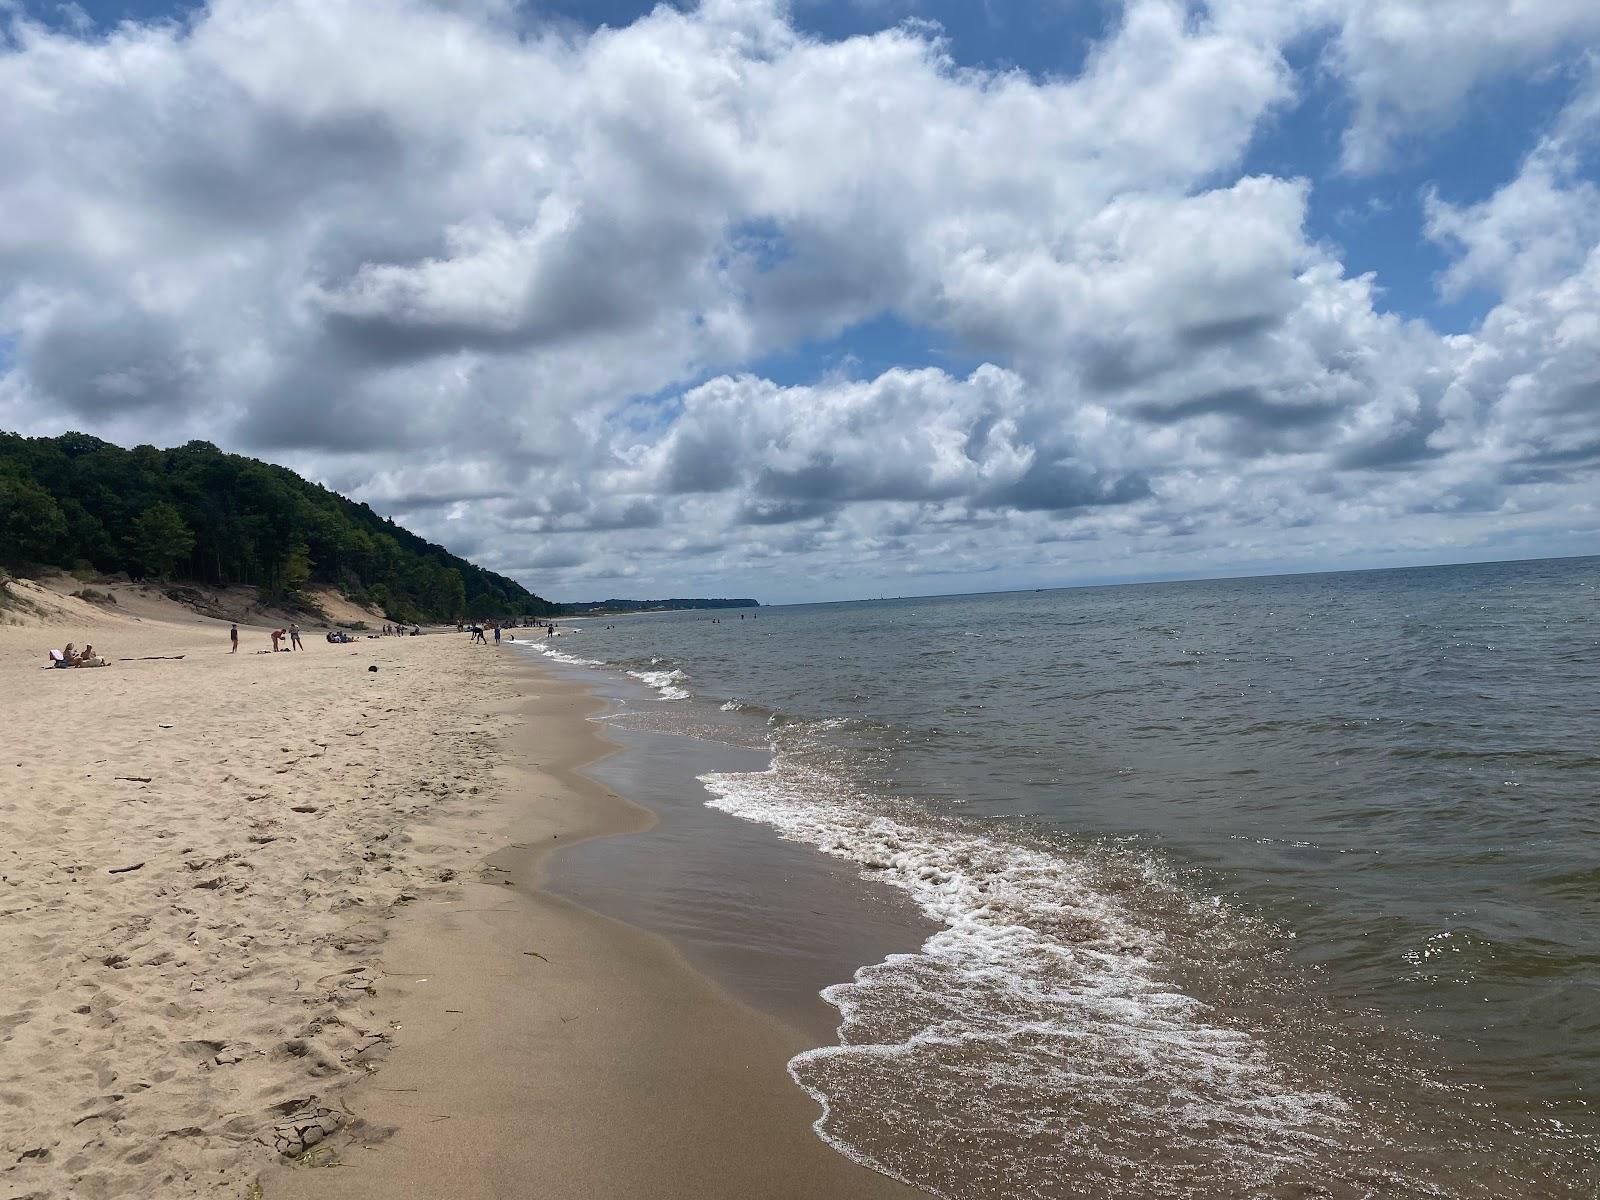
point(772, 920)
point(545, 1050)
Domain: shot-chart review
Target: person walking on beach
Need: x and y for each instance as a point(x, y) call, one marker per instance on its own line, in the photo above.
point(294, 637)
point(233, 636)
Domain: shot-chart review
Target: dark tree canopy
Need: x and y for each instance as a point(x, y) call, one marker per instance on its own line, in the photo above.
point(193, 512)
point(161, 540)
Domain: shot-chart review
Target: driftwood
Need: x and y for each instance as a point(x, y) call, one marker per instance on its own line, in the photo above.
point(124, 870)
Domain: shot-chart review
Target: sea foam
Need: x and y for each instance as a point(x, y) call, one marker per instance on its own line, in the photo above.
point(668, 683)
point(1035, 1044)
point(561, 656)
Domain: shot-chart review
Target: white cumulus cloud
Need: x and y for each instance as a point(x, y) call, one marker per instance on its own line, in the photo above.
point(515, 284)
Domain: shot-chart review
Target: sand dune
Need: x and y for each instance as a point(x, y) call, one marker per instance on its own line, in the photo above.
point(58, 603)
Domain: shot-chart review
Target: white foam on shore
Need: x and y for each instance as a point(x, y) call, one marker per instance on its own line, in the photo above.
point(1035, 1044)
point(668, 683)
point(556, 653)
point(561, 656)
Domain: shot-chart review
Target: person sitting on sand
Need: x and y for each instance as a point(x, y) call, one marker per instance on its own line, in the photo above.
point(90, 659)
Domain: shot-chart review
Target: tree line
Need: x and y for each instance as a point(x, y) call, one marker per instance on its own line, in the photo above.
point(195, 513)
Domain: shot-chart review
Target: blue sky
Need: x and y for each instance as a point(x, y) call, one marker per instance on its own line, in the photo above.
point(835, 296)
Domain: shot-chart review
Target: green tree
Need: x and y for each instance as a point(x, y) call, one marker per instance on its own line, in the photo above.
point(227, 520)
point(33, 529)
point(295, 570)
point(452, 599)
point(87, 539)
point(161, 539)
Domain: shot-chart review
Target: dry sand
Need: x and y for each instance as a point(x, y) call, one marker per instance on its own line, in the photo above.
point(330, 972)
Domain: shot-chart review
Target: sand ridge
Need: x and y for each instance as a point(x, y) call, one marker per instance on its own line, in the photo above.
point(197, 861)
point(62, 601)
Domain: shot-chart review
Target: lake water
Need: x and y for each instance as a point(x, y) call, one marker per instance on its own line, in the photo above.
point(1268, 887)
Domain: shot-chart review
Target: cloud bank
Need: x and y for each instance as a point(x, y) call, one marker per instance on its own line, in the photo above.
point(515, 282)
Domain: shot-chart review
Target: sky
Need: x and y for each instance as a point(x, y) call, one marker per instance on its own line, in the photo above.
point(831, 298)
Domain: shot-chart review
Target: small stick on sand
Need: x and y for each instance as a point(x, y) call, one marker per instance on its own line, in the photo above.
point(124, 870)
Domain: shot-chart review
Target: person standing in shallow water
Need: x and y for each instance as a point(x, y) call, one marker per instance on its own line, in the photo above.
point(233, 637)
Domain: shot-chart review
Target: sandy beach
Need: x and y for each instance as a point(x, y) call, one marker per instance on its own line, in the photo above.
point(273, 928)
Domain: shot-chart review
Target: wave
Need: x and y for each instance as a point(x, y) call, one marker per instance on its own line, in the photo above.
point(667, 683)
point(1036, 1044)
point(561, 656)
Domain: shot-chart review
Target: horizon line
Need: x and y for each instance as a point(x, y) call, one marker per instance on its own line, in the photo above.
point(1073, 587)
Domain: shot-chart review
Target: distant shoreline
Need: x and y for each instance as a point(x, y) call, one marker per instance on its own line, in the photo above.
point(621, 608)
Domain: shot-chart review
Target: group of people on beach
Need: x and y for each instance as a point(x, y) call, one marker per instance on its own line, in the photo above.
point(71, 657)
point(292, 634)
point(480, 633)
point(288, 640)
